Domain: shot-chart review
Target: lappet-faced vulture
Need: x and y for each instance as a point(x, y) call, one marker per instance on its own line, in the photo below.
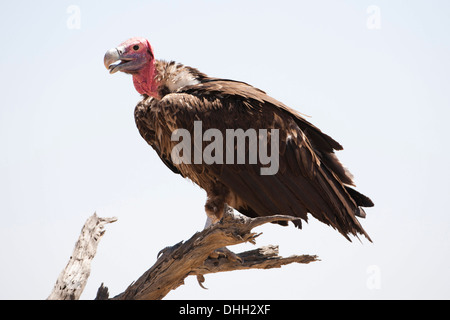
point(219, 133)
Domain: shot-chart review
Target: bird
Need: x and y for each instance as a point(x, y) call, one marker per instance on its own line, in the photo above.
point(304, 179)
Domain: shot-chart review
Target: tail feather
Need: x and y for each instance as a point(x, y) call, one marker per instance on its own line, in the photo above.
point(360, 199)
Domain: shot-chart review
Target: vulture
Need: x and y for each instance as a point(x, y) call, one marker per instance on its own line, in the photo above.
point(227, 129)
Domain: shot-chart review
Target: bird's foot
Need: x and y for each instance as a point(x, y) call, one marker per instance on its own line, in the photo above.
point(225, 253)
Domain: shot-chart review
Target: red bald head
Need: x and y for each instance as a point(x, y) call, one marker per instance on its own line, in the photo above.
point(135, 57)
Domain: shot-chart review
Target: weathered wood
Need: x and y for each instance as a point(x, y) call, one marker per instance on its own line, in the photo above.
point(72, 280)
point(202, 254)
point(261, 258)
point(193, 257)
point(102, 293)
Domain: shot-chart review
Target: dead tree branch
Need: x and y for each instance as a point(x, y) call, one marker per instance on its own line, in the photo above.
point(202, 254)
point(196, 257)
point(261, 258)
point(72, 280)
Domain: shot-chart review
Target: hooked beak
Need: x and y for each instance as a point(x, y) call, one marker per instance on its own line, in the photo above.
point(113, 60)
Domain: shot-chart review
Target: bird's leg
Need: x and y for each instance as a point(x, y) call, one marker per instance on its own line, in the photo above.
point(210, 221)
point(224, 252)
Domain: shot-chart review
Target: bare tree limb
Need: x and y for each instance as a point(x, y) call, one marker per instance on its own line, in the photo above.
point(193, 257)
point(261, 258)
point(72, 280)
point(102, 293)
point(204, 253)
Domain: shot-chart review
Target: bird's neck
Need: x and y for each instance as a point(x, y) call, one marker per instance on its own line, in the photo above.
point(145, 81)
point(159, 78)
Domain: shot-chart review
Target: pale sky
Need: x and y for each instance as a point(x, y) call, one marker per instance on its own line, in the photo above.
point(69, 144)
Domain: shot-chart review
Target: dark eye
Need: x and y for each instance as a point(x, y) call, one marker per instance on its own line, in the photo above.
point(136, 47)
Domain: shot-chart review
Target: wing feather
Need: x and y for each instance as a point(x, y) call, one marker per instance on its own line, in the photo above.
point(310, 180)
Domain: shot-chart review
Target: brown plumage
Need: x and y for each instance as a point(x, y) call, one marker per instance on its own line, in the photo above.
point(310, 178)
